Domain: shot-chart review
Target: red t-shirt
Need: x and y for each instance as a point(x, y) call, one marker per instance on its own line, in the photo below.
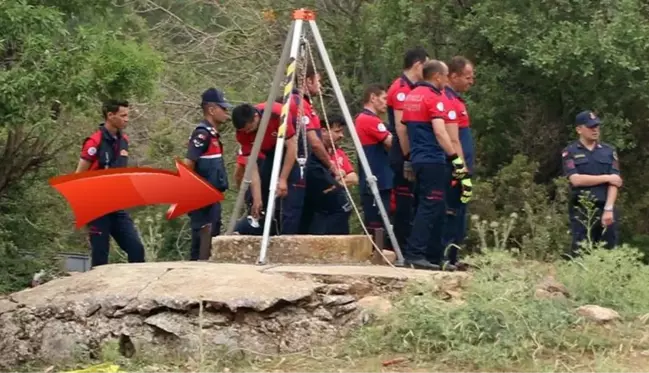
point(309, 116)
point(247, 139)
point(241, 159)
point(341, 160)
point(461, 117)
point(422, 105)
point(270, 137)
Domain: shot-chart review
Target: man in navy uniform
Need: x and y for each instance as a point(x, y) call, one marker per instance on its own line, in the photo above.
point(377, 142)
point(106, 148)
point(426, 110)
point(593, 170)
point(205, 157)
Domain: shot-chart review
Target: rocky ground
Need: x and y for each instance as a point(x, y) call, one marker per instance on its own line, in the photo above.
point(185, 306)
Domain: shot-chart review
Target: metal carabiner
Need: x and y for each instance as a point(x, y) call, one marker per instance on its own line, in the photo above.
point(302, 162)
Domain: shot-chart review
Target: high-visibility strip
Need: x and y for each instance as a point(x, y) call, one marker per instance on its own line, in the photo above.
point(211, 156)
point(288, 89)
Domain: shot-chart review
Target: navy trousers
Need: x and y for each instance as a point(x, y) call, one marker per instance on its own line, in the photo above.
point(456, 212)
point(210, 214)
point(425, 241)
point(404, 192)
point(597, 232)
point(120, 226)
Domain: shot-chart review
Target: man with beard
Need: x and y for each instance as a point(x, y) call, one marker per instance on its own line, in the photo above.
point(332, 208)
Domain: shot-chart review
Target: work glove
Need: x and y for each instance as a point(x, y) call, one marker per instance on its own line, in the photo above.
point(408, 172)
point(459, 169)
point(467, 190)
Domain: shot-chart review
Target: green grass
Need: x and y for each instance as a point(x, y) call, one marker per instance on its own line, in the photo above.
point(502, 325)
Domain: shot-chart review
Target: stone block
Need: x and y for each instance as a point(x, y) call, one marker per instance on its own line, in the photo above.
point(298, 249)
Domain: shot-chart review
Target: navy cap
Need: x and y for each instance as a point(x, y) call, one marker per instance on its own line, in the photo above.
point(587, 118)
point(215, 96)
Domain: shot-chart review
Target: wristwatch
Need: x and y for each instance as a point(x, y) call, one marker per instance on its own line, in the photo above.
point(608, 208)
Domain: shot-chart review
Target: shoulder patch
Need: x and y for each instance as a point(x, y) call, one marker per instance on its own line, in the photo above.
point(92, 150)
point(440, 106)
point(381, 127)
point(401, 96)
point(452, 115)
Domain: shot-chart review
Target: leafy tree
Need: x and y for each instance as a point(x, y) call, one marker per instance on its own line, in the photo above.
point(55, 66)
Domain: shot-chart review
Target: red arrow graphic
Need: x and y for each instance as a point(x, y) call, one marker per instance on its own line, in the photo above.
point(93, 194)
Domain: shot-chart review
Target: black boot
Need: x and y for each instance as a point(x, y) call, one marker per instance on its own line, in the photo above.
point(422, 264)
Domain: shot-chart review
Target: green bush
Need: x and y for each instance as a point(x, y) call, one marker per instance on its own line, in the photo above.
point(536, 225)
point(610, 278)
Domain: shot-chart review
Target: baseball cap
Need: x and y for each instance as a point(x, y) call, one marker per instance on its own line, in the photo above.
point(215, 96)
point(588, 119)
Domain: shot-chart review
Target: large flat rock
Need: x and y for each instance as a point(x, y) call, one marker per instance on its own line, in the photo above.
point(364, 271)
point(183, 283)
point(180, 306)
point(299, 249)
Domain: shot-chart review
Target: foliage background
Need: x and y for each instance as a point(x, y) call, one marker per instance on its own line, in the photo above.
point(538, 64)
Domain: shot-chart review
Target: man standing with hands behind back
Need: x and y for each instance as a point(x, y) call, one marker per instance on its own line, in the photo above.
point(205, 157)
point(426, 111)
point(591, 166)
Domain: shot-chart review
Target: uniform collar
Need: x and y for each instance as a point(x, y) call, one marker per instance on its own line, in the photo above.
point(369, 112)
point(405, 79)
point(205, 124)
point(432, 87)
point(452, 93)
point(107, 135)
point(304, 96)
point(579, 144)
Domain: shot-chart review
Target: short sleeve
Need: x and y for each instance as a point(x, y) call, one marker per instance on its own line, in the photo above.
point(398, 97)
point(377, 131)
point(568, 162)
point(346, 164)
point(198, 144)
point(277, 116)
point(615, 167)
point(245, 143)
point(452, 113)
point(89, 150)
point(436, 107)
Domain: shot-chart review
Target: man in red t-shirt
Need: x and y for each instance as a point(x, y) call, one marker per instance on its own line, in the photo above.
point(403, 191)
point(106, 148)
point(246, 119)
point(318, 163)
point(331, 206)
point(426, 112)
point(377, 142)
point(460, 76)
